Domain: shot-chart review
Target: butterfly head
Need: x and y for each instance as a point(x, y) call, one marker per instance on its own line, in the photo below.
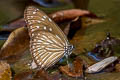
point(69, 49)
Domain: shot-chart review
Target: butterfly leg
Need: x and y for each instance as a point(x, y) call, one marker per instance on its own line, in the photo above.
point(70, 65)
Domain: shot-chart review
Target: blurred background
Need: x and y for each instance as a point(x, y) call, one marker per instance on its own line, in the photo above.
point(13, 9)
point(91, 31)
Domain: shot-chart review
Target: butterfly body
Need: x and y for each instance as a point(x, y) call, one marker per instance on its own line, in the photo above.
point(48, 44)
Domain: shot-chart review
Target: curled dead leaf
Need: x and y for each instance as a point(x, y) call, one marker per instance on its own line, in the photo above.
point(16, 44)
point(71, 14)
point(77, 70)
point(73, 27)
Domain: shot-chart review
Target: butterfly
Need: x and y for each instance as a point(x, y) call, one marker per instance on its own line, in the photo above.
point(48, 43)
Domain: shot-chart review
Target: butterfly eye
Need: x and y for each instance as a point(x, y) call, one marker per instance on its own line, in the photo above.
point(48, 44)
point(71, 47)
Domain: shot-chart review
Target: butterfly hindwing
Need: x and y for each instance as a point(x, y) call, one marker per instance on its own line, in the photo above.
point(46, 49)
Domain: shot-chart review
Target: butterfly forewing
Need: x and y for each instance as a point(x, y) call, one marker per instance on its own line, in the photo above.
point(37, 18)
point(47, 41)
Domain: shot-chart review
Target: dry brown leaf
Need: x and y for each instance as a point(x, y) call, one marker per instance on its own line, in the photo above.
point(5, 71)
point(18, 23)
point(73, 27)
point(117, 67)
point(77, 70)
point(16, 44)
point(30, 75)
point(24, 76)
point(71, 14)
point(42, 75)
point(14, 25)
